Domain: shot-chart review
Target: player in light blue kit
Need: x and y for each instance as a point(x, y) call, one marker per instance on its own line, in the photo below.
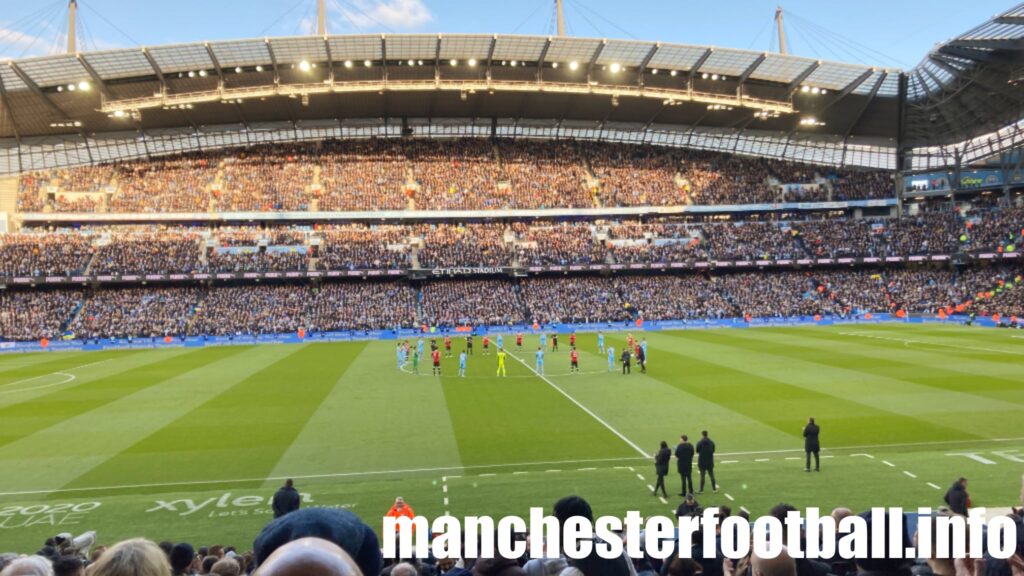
point(600, 341)
point(462, 364)
point(400, 355)
point(540, 360)
point(643, 346)
point(543, 340)
point(419, 347)
point(500, 341)
point(611, 358)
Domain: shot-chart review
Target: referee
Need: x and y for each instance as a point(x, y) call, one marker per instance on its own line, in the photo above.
point(811, 444)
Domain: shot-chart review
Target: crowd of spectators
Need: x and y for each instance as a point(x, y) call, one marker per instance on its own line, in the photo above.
point(33, 314)
point(155, 252)
point(475, 245)
point(583, 299)
point(361, 306)
point(267, 180)
point(558, 245)
point(457, 175)
point(331, 542)
point(470, 302)
point(633, 175)
point(257, 260)
point(144, 249)
point(544, 174)
point(174, 184)
point(429, 174)
point(257, 309)
point(35, 254)
point(674, 297)
point(361, 247)
point(136, 312)
point(262, 309)
point(363, 175)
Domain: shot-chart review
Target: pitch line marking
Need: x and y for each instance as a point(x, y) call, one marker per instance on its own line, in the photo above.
point(640, 476)
point(926, 343)
point(933, 485)
point(68, 378)
point(582, 407)
point(462, 467)
point(761, 459)
point(911, 474)
point(730, 498)
point(889, 464)
point(662, 498)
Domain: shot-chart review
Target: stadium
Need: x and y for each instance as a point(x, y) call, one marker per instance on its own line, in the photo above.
point(484, 272)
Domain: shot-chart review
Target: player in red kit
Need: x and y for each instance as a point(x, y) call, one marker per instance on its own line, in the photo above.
point(574, 359)
point(572, 339)
point(519, 341)
point(448, 346)
point(487, 345)
point(436, 356)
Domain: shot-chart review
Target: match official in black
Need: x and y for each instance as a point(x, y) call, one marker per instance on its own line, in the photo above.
point(811, 444)
point(661, 467)
point(626, 358)
point(286, 499)
point(684, 464)
point(706, 460)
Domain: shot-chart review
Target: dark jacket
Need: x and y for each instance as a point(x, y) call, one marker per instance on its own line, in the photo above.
point(661, 460)
point(811, 432)
point(625, 356)
point(956, 497)
point(706, 453)
point(285, 500)
point(684, 457)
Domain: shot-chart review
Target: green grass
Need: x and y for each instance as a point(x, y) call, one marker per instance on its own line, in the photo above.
point(187, 444)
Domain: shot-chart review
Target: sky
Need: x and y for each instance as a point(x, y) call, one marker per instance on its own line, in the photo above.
point(891, 33)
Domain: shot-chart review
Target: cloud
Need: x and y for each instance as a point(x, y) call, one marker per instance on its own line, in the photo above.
point(18, 44)
point(15, 44)
point(392, 14)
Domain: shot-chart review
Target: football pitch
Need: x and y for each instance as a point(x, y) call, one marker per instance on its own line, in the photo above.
point(189, 444)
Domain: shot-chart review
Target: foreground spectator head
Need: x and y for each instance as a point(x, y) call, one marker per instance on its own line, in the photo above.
point(497, 567)
point(182, 556)
point(29, 566)
point(226, 567)
point(572, 506)
point(68, 566)
point(338, 526)
point(307, 556)
point(404, 569)
point(136, 557)
point(884, 565)
point(781, 565)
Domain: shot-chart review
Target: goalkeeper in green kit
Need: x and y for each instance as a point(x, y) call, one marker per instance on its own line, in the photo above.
point(416, 361)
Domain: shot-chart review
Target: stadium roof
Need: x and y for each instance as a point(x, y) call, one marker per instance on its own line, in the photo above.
point(964, 88)
point(970, 85)
point(370, 76)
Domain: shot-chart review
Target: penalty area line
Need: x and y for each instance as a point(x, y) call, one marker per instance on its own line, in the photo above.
point(581, 406)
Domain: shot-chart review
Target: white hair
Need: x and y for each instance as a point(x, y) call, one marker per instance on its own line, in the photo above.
point(29, 566)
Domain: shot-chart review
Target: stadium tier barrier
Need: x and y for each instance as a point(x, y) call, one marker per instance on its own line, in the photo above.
point(75, 345)
point(421, 273)
point(449, 215)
